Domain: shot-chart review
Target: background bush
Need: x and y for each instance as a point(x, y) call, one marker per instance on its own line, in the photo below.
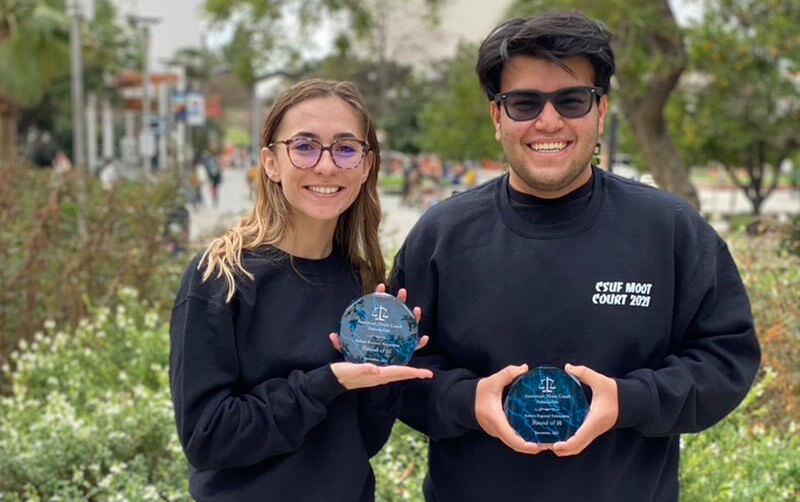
point(51, 272)
point(741, 459)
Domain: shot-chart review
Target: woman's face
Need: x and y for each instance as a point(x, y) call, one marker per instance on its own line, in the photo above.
point(325, 191)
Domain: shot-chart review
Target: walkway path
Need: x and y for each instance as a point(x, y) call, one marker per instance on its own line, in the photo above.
point(208, 221)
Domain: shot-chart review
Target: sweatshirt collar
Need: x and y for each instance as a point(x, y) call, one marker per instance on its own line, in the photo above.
point(577, 223)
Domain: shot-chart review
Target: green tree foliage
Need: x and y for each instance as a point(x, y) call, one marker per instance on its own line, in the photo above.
point(455, 122)
point(740, 106)
point(400, 99)
point(270, 35)
point(33, 54)
point(34, 47)
point(650, 59)
point(199, 65)
point(265, 30)
point(108, 46)
point(107, 49)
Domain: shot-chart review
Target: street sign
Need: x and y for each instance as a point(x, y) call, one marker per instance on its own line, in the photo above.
point(84, 8)
point(179, 105)
point(158, 125)
point(195, 109)
point(128, 148)
point(147, 145)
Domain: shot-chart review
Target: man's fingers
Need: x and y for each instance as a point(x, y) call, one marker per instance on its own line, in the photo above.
point(603, 411)
point(509, 437)
point(334, 338)
point(402, 295)
point(510, 373)
point(577, 443)
point(584, 374)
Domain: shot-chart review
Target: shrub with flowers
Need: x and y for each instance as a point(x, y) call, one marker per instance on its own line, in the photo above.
point(90, 416)
point(742, 458)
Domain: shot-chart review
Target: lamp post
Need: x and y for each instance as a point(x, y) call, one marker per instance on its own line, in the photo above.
point(77, 11)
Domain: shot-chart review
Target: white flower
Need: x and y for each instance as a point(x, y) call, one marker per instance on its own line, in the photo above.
point(105, 482)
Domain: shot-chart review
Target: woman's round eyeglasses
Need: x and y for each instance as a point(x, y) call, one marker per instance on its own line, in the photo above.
point(305, 153)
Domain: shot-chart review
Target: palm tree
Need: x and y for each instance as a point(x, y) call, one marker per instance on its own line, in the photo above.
point(34, 51)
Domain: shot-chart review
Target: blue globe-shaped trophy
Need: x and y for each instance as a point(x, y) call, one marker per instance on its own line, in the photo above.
point(546, 405)
point(378, 328)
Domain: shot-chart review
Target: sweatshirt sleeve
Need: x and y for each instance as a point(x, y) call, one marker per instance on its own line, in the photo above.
point(221, 425)
point(443, 406)
point(716, 353)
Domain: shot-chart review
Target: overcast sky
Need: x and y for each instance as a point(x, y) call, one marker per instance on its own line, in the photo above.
point(182, 24)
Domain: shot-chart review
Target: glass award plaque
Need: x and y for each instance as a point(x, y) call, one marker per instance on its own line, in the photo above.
point(546, 405)
point(378, 328)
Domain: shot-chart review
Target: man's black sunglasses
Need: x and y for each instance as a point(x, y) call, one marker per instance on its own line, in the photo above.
point(570, 102)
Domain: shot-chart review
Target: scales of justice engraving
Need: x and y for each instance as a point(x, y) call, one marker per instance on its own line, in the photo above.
point(547, 385)
point(380, 313)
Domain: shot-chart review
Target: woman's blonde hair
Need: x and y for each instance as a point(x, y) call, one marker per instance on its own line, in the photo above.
point(356, 234)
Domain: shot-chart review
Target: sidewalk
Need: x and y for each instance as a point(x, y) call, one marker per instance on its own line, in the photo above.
point(727, 200)
point(208, 221)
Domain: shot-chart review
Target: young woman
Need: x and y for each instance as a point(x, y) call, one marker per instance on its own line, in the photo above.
point(265, 407)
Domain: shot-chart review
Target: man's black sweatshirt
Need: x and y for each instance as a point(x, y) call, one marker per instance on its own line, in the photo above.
point(621, 277)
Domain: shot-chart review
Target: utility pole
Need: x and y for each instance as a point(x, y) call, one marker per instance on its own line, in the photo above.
point(76, 15)
point(78, 10)
point(255, 128)
point(147, 146)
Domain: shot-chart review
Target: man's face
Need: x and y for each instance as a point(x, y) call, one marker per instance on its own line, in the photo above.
point(550, 155)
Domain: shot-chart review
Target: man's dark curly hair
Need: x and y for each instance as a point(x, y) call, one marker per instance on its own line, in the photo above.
point(554, 36)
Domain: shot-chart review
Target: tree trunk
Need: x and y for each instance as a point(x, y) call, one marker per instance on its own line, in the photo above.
point(659, 151)
point(644, 107)
point(8, 131)
point(757, 202)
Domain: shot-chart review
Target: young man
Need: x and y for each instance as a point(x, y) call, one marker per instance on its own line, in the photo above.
point(559, 263)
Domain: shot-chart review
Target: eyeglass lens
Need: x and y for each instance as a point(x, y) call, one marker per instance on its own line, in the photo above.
point(305, 153)
point(569, 103)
